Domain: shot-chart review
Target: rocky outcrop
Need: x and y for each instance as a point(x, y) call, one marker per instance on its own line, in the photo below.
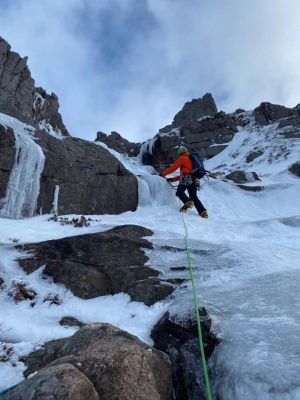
point(193, 110)
point(100, 264)
point(208, 136)
point(19, 98)
point(295, 169)
point(180, 340)
point(108, 360)
point(242, 177)
point(211, 134)
point(253, 155)
point(251, 188)
point(116, 142)
point(289, 118)
point(267, 113)
point(46, 111)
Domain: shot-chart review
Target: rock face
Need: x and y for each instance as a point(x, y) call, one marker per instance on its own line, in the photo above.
point(117, 364)
point(90, 179)
point(193, 110)
point(100, 264)
point(7, 156)
point(18, 96)
point(116, 142)
point(181, 342)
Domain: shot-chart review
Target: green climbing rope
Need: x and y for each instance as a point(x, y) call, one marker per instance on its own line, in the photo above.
point(197, 315)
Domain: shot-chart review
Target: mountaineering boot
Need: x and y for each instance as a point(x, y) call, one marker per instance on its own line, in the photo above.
point(188, 204)
point(204, 214)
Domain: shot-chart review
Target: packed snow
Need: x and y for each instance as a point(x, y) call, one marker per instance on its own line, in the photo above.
point(245, 258)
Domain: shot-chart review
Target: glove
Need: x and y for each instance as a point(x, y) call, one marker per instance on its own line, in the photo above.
point(169, 180)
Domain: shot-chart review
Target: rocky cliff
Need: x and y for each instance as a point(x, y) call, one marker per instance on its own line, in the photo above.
point(77, 175)
point(19, 98)
point(210, 135)
point(193, 110)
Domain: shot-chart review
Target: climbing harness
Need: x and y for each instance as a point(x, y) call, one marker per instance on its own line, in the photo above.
point(197, 314)
point(186, 180)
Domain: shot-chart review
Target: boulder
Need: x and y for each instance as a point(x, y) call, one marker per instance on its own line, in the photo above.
point(57, 382)
point(100, 264)
point(253, 155)
point(178, 337)
point(242, 176)
point(295, 169)
point(119, 365)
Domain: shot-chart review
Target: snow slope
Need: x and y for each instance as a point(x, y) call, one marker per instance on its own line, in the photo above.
point(245, 259)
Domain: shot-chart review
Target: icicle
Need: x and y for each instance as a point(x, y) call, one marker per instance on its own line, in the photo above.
point(55, 201)
point(146, 147)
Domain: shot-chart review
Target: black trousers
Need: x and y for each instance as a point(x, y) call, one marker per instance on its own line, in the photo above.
point(192, 191)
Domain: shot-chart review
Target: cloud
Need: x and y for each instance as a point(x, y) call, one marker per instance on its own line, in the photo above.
point(130, 65)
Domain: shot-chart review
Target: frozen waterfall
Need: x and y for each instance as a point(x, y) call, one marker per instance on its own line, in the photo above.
point(152, 189)
point(24, 182)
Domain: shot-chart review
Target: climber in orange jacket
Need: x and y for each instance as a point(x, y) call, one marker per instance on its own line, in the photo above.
point(186, 182)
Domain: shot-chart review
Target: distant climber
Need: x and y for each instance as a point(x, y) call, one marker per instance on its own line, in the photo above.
point(186, 182)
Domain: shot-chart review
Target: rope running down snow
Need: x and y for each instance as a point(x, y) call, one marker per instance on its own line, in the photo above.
point(197, 314)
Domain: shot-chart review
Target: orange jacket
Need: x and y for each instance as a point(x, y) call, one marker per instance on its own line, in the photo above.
point(184, 163)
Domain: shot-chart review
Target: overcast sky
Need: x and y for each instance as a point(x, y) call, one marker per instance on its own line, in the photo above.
point(130, 65)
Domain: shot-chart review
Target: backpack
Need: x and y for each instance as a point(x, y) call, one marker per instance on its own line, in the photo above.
point(198, 170)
